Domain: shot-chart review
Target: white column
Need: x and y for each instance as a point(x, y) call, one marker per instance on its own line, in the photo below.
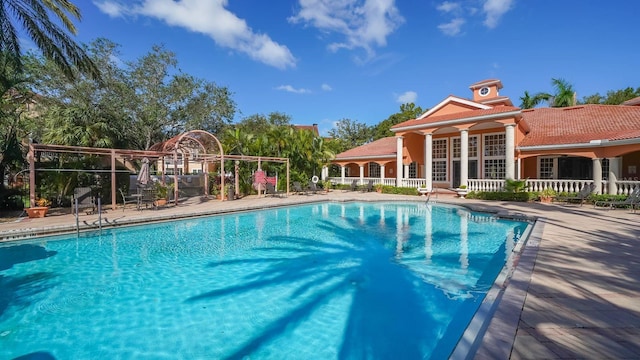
point(325, 173)
point(597, 175)
point(614, 174)
point(464, 156)
point(361, 174)
point(342, 172)
point(510, 151)
point(406, 171)
point(382, 173)
point(428, 156)
point(399, 161)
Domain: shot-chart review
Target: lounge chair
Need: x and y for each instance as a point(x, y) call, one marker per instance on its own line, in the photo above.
point(85, 200)
point(368, 187)
point(297, 188)
point(271, 190)
point(582, 195)
point(632, 200)
point(354, 185)
point(313, 187)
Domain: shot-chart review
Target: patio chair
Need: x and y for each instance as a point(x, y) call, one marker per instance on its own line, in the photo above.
point(368, 187)
point(313, 187)
point(297, 188)
point(582, 195)
point(148, 198)
point(271, 190)
point(632, 200)
point(354, 185)
point(129, 199)
point(85, 200)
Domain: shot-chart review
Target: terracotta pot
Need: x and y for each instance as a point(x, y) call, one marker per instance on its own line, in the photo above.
point(546, 199)
point(161, 202)
point(37, 211)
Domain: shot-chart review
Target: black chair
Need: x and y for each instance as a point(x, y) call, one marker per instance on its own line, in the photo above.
point(271, 190)
point(297, 188)
point(84, 198)
point(368, 187)
point(354, 185)
point(149, 197)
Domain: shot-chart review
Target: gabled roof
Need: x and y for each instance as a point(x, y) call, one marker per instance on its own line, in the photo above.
point(381, 148)
point(487, 82)
point(581, 124)
point(462, 116)
point(454, 99)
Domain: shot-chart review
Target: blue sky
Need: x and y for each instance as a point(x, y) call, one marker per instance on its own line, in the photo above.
point(320, 61)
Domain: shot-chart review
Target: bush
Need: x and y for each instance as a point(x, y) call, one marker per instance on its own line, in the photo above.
point(502, 196)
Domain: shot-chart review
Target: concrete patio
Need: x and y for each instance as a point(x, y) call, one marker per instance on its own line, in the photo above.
point(574, 294)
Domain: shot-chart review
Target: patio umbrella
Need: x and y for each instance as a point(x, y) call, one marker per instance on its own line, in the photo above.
point(143, 175)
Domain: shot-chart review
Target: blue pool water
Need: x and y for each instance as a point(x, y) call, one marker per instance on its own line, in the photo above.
point(320, 281)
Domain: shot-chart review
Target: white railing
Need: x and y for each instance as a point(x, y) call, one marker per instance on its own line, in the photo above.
point(624, 187)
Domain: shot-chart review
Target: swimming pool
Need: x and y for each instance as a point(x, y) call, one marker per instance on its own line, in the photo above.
point(319, 281)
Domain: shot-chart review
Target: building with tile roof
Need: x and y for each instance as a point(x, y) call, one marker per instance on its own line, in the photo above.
point(482, 141)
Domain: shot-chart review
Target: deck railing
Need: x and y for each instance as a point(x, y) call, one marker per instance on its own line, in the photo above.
point(624, 187)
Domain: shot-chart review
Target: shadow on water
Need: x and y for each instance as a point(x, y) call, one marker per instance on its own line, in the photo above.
point(16, 289)
point(383, 321)
point(12, 255)
point(38, 355)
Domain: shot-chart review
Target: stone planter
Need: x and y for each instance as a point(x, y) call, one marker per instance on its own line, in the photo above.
point(462, 192)
point(37, 211)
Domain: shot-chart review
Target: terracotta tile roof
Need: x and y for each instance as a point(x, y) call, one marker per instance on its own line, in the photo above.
point(632, 102)
point(483, 82)
point(382, 147)
point(455, 116)
point(581, 124)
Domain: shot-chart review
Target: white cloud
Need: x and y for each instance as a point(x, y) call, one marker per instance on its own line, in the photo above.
point(361, 23)
point(326, 87)
point(291, 89)
point(407, 97)
point(449, 7)
point(453, 27)
point(210, 18)
point(111, 8)
point(494, 9)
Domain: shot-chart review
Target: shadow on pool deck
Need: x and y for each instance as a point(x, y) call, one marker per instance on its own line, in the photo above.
point(581, 299)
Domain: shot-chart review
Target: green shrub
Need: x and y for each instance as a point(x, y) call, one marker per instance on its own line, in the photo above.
point(502, 196)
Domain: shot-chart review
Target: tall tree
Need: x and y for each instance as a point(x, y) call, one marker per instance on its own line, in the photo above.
point(407, 112)
point(50, 35)
point(564, 94)
point(529, 102)
point(349, 134)
point(614, 97)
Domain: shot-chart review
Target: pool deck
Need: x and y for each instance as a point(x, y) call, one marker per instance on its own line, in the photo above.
point(575, 292)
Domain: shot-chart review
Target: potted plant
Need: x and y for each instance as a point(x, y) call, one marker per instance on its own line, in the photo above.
point(162, 193)
point(40, 210)
point(547, 195)
point(378, 188)
point(462, 191)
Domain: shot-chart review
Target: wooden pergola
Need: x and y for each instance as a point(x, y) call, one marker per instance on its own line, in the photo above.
point(182, 145)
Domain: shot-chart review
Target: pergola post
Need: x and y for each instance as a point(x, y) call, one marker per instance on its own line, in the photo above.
point(175, 177)
point(32, 175)
point(113, 180)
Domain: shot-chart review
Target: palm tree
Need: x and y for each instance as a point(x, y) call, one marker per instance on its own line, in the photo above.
point(529, 102)
point(33, 16)
point(564, 95)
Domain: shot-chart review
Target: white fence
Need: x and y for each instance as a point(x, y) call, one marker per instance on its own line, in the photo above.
point(624, 187)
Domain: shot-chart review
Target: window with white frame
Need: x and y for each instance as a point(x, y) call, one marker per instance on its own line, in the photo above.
point(374, 170)
point(473, 147)
point(547, 167)
point(494, 156)
point(605, 169)
point(439, 160)
point(413, 170)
